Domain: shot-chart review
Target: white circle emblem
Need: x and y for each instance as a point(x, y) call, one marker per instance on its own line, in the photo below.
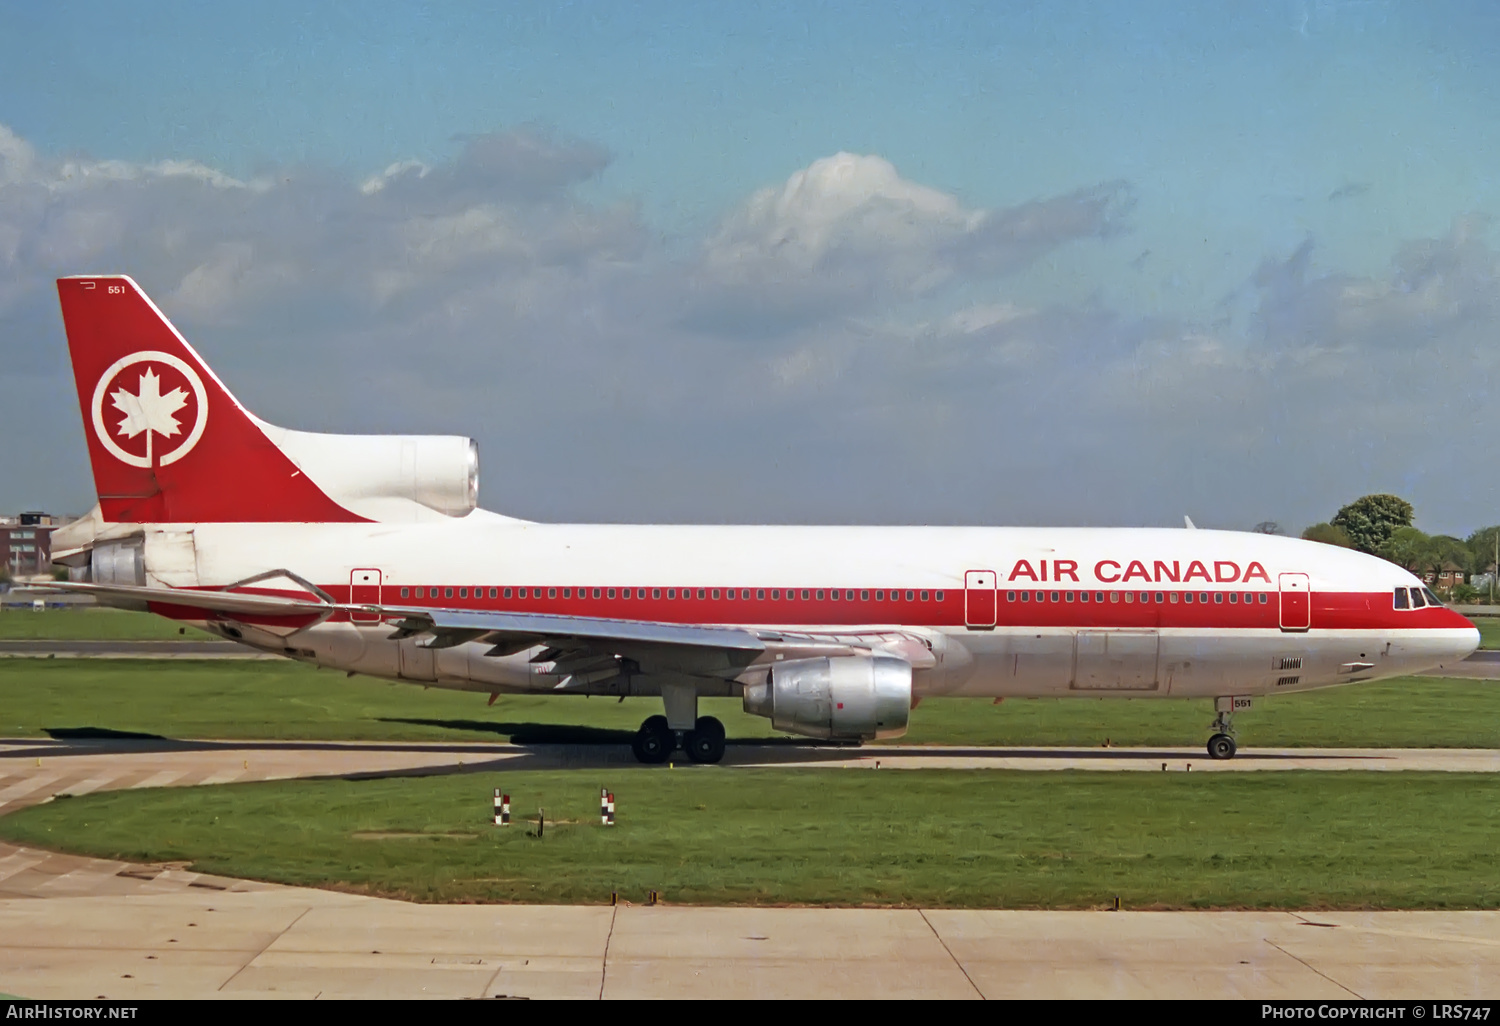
point(147, 411)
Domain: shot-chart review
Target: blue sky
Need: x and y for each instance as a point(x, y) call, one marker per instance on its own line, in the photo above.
point(1246, 145)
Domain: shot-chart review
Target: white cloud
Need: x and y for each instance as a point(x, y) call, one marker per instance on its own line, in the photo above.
point(900, 372)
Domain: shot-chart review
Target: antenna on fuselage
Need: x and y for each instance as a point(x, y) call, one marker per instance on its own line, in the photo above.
point(1188, 522)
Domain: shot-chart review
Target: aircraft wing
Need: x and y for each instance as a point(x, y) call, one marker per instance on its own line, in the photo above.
point(579, 646)
point(582, 649)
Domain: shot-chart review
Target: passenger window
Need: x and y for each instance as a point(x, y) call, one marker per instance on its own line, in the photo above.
point(403, 592)
point(880, 596)
point(1172, 597)
point(820, 596)
point(804, 594)
point(864, 596)
point(1262, 598)
point(1159, 598)
point(624, 593)
point(1145, 596)
point(1025, 596)
point(567, 592)
point(1417, 602)
point(1130, 596)
point(1056, 596)
point(1114, 596)
point(939, 596)
point(924, 596)
point(1098, 596)
point(1010, 596)
point(1203, 597)
point(760, 593)
point(463, 592)
point(447, 593)
point(1083, 596)
point(911, 597)
point(656, 593)
point(1187, 597)
point(1218, 596)
point(1068, 596)
point(610, 593)
point(729, 594)
point(714, 593)
point(1234, 597)
point(834, 594)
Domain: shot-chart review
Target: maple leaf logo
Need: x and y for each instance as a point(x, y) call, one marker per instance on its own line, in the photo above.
point(148, 410)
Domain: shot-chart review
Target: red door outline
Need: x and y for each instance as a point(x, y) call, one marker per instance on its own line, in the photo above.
point(1296, 602)
point(364, 590)
point(979, 599)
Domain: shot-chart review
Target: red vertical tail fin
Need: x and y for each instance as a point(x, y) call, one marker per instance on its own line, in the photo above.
point(168, 442)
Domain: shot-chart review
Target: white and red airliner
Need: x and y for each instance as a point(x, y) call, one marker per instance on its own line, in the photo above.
point(368, 554)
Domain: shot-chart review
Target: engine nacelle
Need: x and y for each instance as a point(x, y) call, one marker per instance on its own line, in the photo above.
point(440, 472)
point(844, 697)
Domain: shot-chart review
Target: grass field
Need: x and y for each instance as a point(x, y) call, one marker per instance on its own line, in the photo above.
point(1489, 630)
point(859, 837)
point(92, 625)
point(285, 700)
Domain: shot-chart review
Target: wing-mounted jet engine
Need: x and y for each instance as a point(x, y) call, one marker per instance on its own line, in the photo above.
point(853, 697)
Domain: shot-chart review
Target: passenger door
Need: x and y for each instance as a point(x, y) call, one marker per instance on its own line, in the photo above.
point(979, 600)
point(364, 590)
point(1296, 602)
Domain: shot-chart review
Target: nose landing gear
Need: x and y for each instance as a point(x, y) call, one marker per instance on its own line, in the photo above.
point(1221, 745)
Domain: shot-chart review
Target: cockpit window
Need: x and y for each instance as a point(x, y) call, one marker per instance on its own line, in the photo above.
point(1432, 600)
point(1402, 602)
point(1416, 598)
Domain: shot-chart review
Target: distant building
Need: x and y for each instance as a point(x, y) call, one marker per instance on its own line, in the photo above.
point(26, 543)
point(1449, 576)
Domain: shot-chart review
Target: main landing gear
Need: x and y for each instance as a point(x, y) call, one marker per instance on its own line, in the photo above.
point(1221, 745)
point(656, 740)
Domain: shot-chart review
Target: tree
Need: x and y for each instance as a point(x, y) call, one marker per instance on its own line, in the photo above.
point(1482, 546)
point(1328, 535)
point(1370, 521)
point(1408, 548)
point(1267, 527)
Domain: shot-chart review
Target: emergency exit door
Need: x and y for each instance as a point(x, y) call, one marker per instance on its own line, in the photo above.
point(979, 600)
point(364, 590)
point(1296, 602)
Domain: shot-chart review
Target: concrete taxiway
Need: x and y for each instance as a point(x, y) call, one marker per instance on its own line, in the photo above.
point(75, 927)
point(33, 769)
point(87, 928)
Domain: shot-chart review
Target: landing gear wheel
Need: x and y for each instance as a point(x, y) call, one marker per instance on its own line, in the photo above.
point(654, 742)
point(705, 742)
point(1221, 746)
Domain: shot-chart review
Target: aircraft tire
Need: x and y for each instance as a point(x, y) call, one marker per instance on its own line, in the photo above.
point(1221, 746)
point(705, 742)
point(654, 742)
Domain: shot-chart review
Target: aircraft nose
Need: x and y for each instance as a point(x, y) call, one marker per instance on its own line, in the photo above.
point(1466, 643)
